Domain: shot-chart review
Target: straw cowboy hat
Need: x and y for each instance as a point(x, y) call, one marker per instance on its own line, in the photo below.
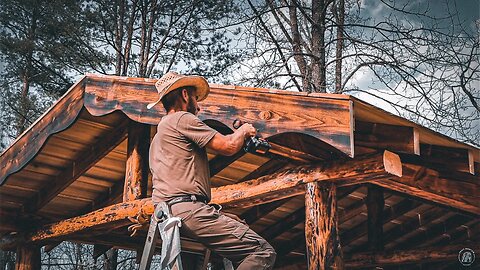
point(173, 80)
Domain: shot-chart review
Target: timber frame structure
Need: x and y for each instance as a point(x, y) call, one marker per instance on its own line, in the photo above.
point(345, 186)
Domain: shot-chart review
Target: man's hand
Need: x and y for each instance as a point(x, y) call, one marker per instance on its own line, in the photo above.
point(230, 144)
point(248, 130)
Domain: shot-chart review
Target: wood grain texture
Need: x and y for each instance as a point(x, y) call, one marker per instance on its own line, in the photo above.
point(454, 190)
point(327, 119)
point(397, 257)
point(28, 258)
point(60, 116)
point(86, 159)
point(280, 185)
point(321, 227)
point(390, 137)
point(375, 206)
point(137, 169)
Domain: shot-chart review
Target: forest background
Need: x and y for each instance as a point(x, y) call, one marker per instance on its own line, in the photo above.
point(418, 59)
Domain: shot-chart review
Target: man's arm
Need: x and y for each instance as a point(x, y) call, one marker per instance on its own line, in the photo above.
point(228, 145)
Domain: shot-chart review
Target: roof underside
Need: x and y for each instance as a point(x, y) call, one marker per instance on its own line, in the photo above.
point(84, 137)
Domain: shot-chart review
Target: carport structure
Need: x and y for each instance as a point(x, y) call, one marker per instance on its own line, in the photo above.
point(345, 185)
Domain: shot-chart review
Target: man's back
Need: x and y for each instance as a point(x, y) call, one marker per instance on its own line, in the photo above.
point(178, 158)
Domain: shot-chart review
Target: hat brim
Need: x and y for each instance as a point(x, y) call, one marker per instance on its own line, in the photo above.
point(199, 82)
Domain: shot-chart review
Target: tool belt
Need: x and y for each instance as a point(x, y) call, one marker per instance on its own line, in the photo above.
point(187, 198)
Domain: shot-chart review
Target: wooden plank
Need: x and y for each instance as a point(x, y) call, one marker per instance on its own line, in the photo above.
point(381, 136)
point(327, 119)
point(61, 115)
point(137, 169)
point(278, 186)
point(398, 257)
point(375, 206)
point(28, 258)
point(456, 159)
point(85, 160)
point(453, 190)
point(321, 227)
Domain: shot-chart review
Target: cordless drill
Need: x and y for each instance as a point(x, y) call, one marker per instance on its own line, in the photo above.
point(254, 145)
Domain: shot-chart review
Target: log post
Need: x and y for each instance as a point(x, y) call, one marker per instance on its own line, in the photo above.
point(136, 173)
point(375, 205)
point(28, 258)
point(321, 227)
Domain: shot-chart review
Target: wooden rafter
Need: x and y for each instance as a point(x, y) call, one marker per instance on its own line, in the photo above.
point(432, 231)
point(389, 213)
point(258, 211)
point(85, 160)
point(284, 224)
point(451, 189)
point(220, 162)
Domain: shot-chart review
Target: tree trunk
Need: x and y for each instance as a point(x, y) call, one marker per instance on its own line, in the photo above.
point(318, 46)
point(340, 14)
point(26, 73)
point(111, 259)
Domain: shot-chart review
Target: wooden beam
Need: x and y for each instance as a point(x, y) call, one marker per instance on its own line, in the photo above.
point(83, 162)
point(451, 189)
point(381, 136)
point(321, 227)
point(375, 206)
point(288, 183)
point(261, 190)
point(398, 257)
point(137, 169)
point(284, 224)
point(28, 258)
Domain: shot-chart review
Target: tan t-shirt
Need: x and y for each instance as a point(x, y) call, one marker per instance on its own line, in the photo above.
point(178, 158)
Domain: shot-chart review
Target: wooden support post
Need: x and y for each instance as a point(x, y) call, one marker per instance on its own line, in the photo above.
point(321, 227)
point(28, 258)
point(136, 174)
point(375, 205)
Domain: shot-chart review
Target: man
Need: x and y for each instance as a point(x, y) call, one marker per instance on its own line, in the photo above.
point(181, 177)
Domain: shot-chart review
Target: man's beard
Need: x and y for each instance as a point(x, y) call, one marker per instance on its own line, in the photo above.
point(190, 106)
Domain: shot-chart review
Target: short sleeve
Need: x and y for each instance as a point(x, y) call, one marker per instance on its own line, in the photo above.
point(195, 130)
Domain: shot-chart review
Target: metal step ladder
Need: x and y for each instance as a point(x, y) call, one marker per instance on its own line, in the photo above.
point(161, 221)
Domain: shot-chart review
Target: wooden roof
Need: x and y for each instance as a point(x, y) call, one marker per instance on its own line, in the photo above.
point(72, 161)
